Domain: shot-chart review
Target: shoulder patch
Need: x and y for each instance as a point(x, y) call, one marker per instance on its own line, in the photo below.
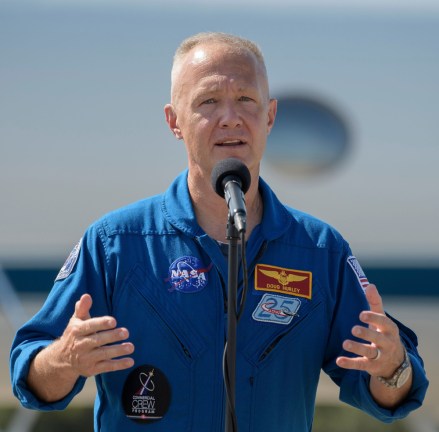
point(359, 273)
point(68, 266)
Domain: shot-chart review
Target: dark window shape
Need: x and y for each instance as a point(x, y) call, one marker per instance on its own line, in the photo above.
point(308, 136)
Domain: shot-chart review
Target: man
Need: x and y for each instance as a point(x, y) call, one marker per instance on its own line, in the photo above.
point(146, 289)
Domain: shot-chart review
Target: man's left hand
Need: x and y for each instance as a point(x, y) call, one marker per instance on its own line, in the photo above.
point(383, 352)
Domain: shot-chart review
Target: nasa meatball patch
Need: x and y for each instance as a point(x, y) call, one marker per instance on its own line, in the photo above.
point(188, 274)
point(68, 266)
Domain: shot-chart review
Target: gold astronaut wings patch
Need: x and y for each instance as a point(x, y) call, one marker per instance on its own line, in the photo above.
point(283, 280)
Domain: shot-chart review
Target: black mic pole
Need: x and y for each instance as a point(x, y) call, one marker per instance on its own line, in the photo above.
point(231, 180)
point(232, 290)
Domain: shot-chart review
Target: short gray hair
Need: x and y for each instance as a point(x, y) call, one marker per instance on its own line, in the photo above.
point(236, 43)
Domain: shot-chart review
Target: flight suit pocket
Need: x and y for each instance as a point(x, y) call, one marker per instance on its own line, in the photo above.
point(284, 363)
point(164, 342)
point(268, 317)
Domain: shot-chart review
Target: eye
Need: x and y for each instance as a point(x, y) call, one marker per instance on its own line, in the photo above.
point(208, 101)
point(245, 99)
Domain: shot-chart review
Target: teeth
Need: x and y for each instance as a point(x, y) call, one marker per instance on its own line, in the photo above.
point(232, 142)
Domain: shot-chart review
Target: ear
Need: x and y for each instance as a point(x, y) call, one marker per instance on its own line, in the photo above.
point(272, 110)
point(171, 119)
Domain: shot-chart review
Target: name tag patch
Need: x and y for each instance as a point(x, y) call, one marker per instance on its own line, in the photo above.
point(283, 280)
point(276, 309)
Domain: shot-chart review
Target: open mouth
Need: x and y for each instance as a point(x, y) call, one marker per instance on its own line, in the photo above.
point(230, 143)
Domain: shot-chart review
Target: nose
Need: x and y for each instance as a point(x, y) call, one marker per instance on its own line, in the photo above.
point(230, 117)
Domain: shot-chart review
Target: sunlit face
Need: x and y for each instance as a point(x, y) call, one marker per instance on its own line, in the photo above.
point(221, 107)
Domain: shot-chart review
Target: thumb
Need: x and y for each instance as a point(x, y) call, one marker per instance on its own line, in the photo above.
point(83, 306)
point(374, 299)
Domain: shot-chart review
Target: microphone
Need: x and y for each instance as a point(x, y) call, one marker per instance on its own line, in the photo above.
point(231, 180)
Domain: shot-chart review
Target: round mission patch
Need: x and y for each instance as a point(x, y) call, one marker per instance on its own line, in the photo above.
point(146, 394)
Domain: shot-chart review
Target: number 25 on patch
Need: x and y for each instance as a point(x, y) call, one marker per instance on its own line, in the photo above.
point(276, 309)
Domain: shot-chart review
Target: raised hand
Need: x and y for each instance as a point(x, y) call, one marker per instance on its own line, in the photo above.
point(88, 346)
point(382, 352)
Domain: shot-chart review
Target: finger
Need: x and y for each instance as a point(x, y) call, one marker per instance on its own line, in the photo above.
point(108, 359)
point(113, 365)
point(112, 352)
point(102, 338)
point(380, 322)
point(368, 351)
point(94, 325)
point(357, 363)
point(368, 334)
point(374, 299)
point(83, 306)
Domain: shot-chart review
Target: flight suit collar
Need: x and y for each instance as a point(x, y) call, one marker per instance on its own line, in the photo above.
point(178, 210)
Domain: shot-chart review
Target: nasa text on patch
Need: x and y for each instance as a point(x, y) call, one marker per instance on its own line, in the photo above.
point(188, 274)
point(283, 280)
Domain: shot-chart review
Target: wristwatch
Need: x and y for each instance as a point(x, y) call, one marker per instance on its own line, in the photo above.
point(401, 375)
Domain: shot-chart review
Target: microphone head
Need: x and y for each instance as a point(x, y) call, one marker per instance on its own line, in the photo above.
point(226, 168)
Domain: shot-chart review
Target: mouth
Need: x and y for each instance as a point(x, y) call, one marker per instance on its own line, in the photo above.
point(230, 143)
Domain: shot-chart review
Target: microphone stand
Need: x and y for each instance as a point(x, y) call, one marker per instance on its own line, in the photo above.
point(230, 356)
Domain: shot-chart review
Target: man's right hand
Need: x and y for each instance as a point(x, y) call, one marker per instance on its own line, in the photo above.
point(88, 346)
point(86, 342)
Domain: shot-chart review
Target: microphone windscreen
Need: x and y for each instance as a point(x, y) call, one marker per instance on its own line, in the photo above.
point(226, 168)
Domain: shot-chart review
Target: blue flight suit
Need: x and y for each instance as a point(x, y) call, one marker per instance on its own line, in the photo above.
point(153, 268)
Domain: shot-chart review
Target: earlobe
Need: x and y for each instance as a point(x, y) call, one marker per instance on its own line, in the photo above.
point(171, 119)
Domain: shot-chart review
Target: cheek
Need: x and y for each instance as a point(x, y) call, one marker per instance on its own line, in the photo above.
point(200, 126)
point(256, 114)
point(260, 125)
point(196, 134)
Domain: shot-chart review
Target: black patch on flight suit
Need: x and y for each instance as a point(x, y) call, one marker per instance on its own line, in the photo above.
point(146, 394)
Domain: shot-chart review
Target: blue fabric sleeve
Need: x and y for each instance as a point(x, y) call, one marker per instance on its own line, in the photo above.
point(22, 358)
point(354, 390)
point(354, 385)
point(88, 275)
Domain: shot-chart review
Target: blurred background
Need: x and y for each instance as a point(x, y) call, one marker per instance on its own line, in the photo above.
point(356, 143)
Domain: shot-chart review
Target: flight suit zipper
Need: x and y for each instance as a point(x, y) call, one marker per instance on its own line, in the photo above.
point(224, 320)
point(184, 348)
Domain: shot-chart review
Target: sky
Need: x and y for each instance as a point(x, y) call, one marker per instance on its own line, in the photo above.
point(392, 5)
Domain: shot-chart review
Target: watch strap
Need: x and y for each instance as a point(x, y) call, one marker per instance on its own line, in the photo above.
point(400, 376)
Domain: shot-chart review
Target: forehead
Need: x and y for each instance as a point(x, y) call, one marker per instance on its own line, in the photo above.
point(221, 53)
point(216, 61)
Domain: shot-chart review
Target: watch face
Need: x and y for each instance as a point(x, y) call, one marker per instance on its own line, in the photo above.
point(401, 375)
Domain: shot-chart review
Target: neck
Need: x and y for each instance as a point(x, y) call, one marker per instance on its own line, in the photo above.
point(212, 212)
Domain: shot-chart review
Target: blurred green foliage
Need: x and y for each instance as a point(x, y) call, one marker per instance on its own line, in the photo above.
point(343, 418)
